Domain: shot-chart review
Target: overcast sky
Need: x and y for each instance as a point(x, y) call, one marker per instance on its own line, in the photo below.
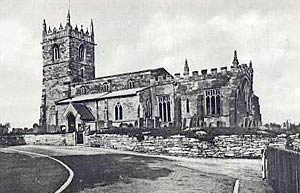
point(134, 35)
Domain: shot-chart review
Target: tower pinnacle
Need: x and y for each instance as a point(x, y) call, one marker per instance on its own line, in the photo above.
point(92, 29)
point(186, 69)
point(68, 18)
point(44, 27)
point(235, 61)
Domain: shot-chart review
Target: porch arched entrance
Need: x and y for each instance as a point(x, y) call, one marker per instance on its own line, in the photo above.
point(71, 122)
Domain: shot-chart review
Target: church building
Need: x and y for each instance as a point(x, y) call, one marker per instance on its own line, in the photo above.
point(74, 100)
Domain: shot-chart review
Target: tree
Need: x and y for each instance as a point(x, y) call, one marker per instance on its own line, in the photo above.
point(288, 144)
point(7, 125)
point(4, 128)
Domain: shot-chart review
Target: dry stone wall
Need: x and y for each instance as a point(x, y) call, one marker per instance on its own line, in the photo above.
point(248, 146)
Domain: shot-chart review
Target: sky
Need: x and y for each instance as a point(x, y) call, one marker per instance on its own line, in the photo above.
point(137, 34)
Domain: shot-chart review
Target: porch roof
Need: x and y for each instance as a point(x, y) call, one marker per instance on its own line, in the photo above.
point(84, 112)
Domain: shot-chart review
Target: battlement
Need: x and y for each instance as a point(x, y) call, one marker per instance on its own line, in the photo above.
point(205, 73)
point(234, 69)
point(67, 30)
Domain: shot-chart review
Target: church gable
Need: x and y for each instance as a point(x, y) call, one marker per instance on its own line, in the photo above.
point(80, 111)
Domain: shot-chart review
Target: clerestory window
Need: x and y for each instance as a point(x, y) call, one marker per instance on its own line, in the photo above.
point(83, 90)
point(131, 84)
point(105, 87)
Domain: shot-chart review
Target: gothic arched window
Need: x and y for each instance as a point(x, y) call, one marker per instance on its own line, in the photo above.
point(187, 105)
point(148, 109)
point(207, 105)
point(164, 108)
point(164, 118)
point(55, 52)
point(160, 109)
point(169, 111)
point(218, 104)
point(82, 72)
point(118, 112)
point(81, 53)
point(246, 92)
point(213, 102)
point(130, 84)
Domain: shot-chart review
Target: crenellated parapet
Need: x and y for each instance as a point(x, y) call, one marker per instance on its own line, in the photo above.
point(68, 30)
point(235, 69)
point(204, 74)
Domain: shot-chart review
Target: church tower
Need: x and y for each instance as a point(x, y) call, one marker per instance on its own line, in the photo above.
point(68, 57)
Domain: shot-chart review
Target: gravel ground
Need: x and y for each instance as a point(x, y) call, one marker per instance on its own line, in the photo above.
point(104, 170)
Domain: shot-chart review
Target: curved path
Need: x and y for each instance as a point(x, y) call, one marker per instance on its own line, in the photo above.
point(114, 171)
point(71, 173)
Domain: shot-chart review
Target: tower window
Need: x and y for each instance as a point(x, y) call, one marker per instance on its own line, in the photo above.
point(118, 112)
point(55, 53)
point(81, 53)
point(130, 84)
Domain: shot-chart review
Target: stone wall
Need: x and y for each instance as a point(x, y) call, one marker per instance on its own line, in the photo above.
point(222, 146)
point(32, 139)
point(50, 139)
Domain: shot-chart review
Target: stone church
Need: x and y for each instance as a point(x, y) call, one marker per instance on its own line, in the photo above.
point(73, 99)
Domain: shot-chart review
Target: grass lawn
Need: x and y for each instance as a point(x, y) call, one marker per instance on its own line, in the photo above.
point(25, 174)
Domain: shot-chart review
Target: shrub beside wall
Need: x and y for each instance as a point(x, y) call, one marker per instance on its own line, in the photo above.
point(10, 140)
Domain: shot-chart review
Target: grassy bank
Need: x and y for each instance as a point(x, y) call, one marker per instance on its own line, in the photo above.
point(26, 174)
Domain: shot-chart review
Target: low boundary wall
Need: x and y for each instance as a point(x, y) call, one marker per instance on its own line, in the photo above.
point(51, 139)
point(178, 145)
point(283, 170)
point(40, 139)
